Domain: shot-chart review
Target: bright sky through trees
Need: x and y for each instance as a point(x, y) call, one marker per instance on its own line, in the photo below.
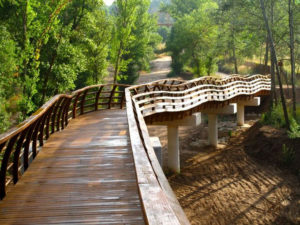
point(108, 2)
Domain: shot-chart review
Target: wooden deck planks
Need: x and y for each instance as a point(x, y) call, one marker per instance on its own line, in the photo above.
point(83, 175)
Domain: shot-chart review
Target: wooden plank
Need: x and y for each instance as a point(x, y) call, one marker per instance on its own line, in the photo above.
point(84, 179)
point(155, 203)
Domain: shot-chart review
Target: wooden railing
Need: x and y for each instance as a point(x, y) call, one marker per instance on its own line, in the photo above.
point(197, 92)
point(20, 145)
point(173, 96)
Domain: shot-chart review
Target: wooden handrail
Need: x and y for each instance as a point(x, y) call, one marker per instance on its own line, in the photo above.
point(159, 203)
point(51, 117)
point(174, 96)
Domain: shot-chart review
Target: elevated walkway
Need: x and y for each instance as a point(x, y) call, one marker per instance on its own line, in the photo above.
point(82, 159)
point(83, 175)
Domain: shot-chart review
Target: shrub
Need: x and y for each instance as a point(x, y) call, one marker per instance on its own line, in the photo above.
point(294, 131)
point(274, 117)
point(288, 155)
point(4, 118)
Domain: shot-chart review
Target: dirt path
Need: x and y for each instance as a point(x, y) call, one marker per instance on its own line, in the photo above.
point(159, 69)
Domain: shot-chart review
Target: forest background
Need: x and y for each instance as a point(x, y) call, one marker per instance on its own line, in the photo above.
point(57, 46)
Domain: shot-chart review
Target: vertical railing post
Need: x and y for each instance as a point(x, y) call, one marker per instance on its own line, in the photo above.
point(49, 116)
point(75, 105)
point(111, 96)
point(17, 155)
point(60, 113)
point(83, 102)
point(97, 98)
point(4, 165)
point(26, 146)
point(35, 136)
point(65, 121)
point(122, 100)
point(2, 146)
point(54, 114)
point(41, 131)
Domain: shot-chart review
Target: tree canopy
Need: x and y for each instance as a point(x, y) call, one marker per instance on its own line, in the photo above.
point(51, 47)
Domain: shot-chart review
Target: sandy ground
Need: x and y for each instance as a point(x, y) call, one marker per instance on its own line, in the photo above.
point(225, 185)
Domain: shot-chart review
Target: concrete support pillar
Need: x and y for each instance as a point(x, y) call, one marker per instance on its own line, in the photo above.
point(241, 109)
point(173, 149)
point(240, 114)
point(213, 129)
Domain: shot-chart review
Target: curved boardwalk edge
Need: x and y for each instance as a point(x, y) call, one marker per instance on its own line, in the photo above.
point(20, 145)
point(160, 204)
point(165, 96)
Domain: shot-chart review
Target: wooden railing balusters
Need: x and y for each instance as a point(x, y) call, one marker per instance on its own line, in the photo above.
point(2, 146)
point(4, 165)
point(122, 100)
point(54, 114)
point(97, 98)
point(42, 127)
point(27, 146)
point(49, 116)
point(20, 144)
point(75, 105)
point(65, 120)
point(59, 114)
point(83, 101)
point(111, 96)
point(34, 136)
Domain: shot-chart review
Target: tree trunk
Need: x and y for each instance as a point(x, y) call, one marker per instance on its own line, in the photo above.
point(267, 56)
point(24, 47)
point(46, 79)
point(292, 52)
point(273, 76)
point(196, 61)
point(236, 70)
point(52, 62)
point(273, 82)
point(286, 117)
point(116, 72)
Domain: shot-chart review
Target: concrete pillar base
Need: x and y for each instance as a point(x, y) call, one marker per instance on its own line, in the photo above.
point(213, 130)
point(241, 109)
point(240, 115)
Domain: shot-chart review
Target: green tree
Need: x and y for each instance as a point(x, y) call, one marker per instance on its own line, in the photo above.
point(8, 76)
point(125, 14)
point(193, 40)
point(134, 39)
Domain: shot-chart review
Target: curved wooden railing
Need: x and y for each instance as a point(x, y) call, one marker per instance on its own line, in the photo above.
point(174, 96)
point(20, 145)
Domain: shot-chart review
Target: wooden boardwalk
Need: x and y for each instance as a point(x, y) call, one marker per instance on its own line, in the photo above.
point(102, 168)
point(84, 175)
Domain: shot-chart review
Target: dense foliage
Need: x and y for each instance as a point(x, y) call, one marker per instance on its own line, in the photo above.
point(228, 33)
point(51, 47)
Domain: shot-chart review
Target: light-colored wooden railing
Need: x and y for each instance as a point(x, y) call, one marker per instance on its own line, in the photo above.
point(21, 144)
point(195, 93)
point(175, 96)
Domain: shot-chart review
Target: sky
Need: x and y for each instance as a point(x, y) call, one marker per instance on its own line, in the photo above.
point(108, 2)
